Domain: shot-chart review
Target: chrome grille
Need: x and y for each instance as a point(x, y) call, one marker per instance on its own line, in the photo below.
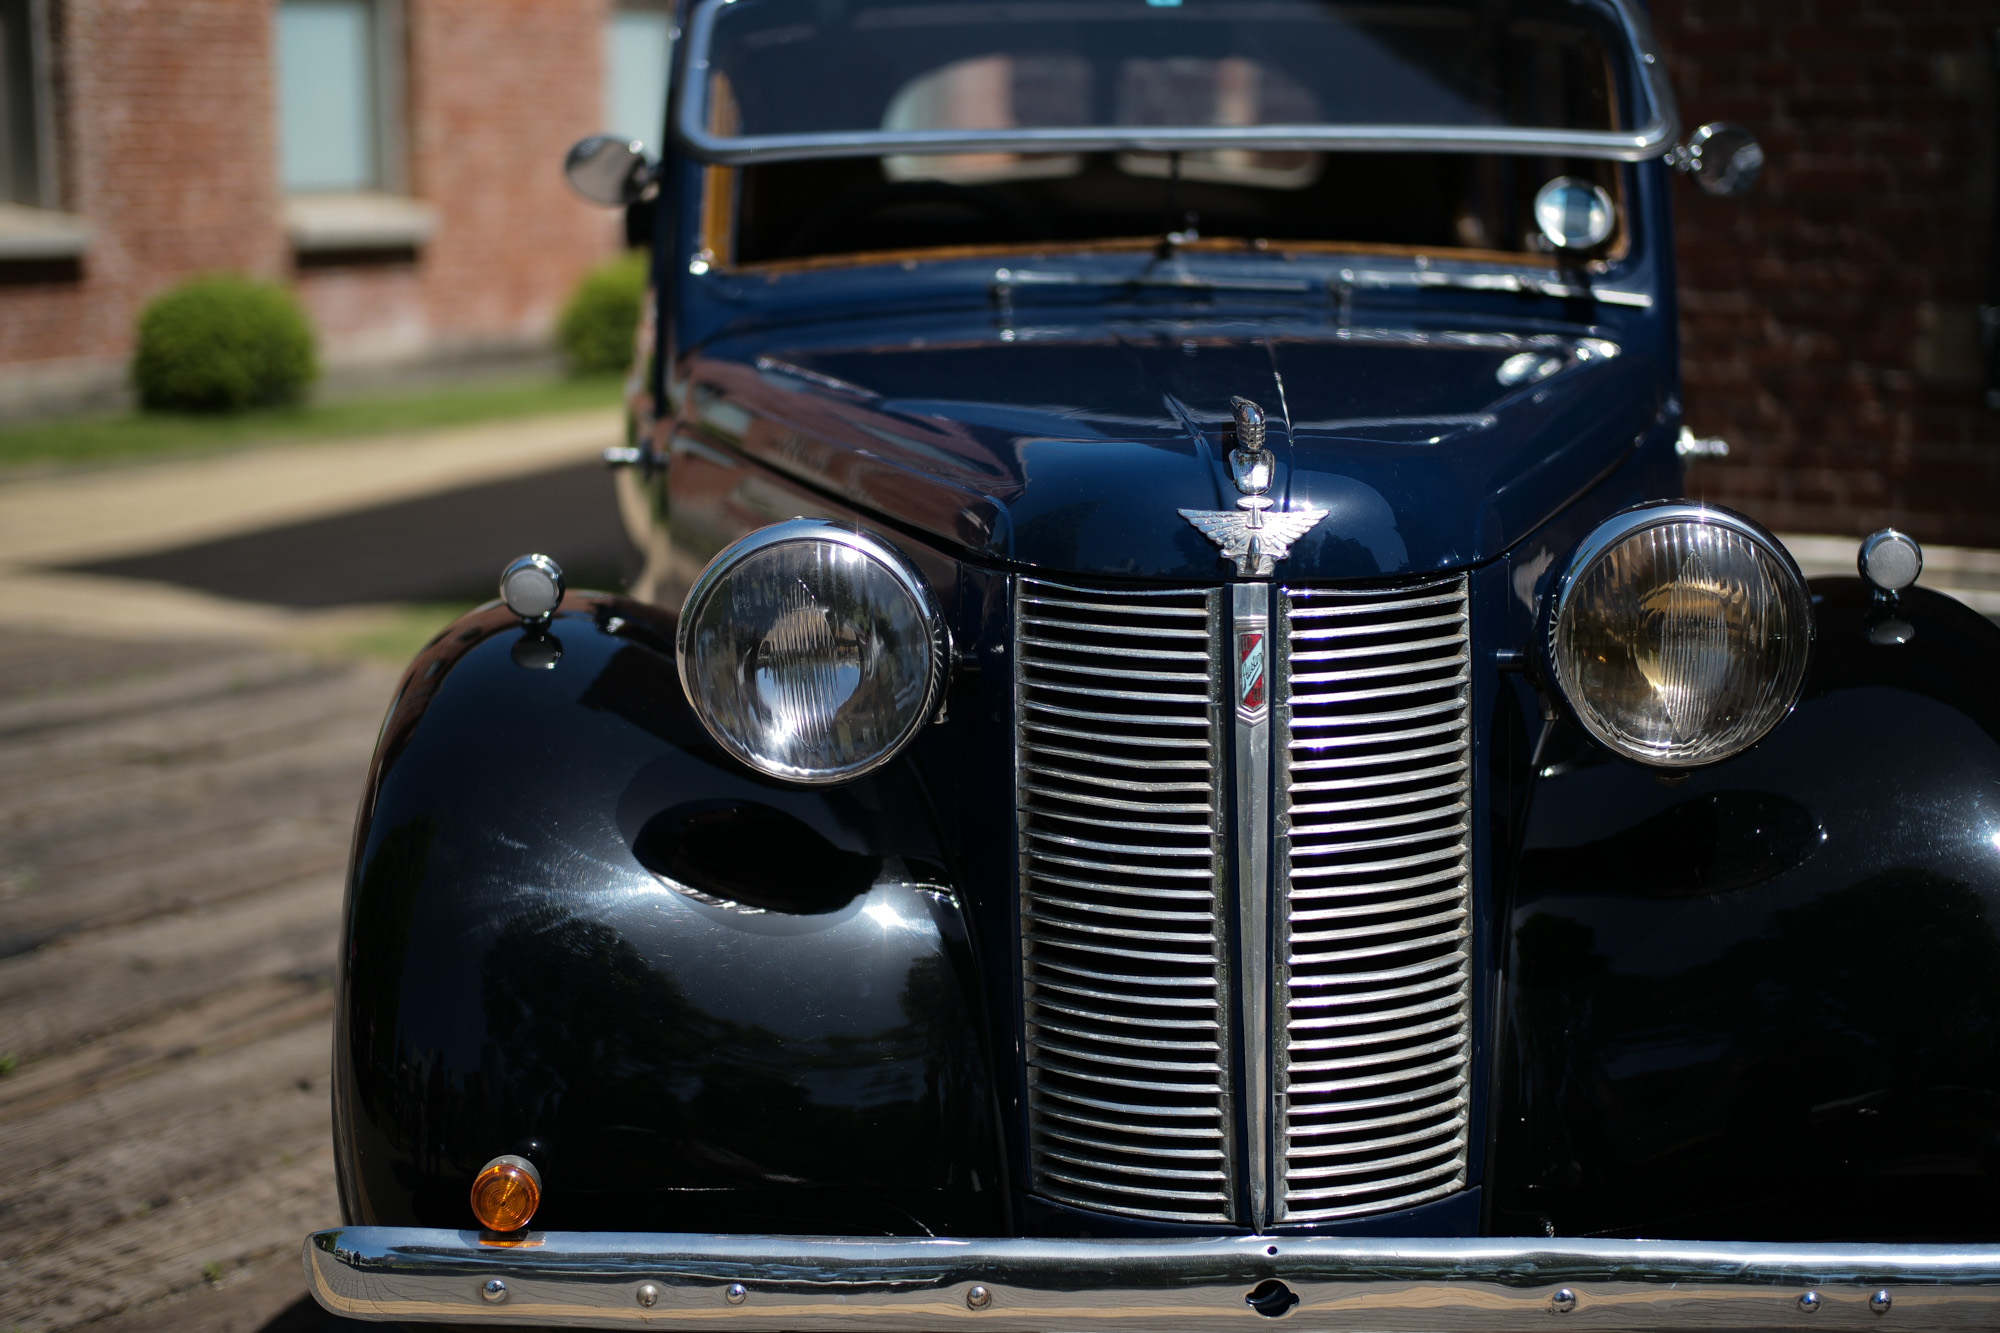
point(1123, 934)
point(1374, 858)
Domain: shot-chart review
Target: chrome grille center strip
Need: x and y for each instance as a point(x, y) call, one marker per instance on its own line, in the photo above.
point(1250, 623)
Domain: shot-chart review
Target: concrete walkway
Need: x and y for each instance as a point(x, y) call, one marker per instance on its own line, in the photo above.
point(48, 522)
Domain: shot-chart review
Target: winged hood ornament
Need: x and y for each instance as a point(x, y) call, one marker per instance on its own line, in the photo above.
point(1250, 534)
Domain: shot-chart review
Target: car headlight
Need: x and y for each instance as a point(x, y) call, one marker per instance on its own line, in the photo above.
point(812, 651)
point(1680, 634)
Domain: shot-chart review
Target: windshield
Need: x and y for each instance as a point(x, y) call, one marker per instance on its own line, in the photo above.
point(778, 79)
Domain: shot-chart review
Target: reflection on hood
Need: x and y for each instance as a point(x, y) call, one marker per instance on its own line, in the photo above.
point(1072, 448)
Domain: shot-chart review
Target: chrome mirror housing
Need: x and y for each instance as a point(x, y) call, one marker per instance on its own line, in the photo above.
point(1725, 160)
point(609, 171)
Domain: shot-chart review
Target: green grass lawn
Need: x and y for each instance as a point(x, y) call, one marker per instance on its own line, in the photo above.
point(391, 636)
point(110, 436)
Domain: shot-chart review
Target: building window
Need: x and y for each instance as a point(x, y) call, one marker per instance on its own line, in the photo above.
point(25, 168)
point(638, 51)
point(334, 103)
point(340, 133)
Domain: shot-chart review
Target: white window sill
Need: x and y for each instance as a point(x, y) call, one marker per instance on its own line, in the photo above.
point(40, 233)
point(319, 223)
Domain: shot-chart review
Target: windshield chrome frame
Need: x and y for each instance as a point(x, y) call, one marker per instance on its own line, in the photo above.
point(1655, 137)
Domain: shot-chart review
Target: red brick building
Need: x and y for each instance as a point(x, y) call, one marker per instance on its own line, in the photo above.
point(1831, 321)
point(151, 139)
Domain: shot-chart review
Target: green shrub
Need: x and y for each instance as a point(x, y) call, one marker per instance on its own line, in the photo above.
point(221, 344)
point(597, 326)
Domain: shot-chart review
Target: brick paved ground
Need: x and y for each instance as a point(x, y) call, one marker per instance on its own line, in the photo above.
point(173, 830)
point(177, 790)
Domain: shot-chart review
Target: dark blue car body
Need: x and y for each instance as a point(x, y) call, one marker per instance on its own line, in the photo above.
point(1760, 1000)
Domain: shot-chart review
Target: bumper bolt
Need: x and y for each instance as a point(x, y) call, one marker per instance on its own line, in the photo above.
point(649, 1295)
point(494, 1292)
point(1563, 1301)
point(736, 1293)
point(1809, 1302)
point(978, 1298)
point(1879, 1302)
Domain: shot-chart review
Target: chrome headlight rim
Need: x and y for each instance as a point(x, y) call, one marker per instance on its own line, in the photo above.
point(1605, 538)
point(867, 544)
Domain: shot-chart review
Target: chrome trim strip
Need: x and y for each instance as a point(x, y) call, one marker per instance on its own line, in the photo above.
point(1067, 1135)
point(1450, 1106)
point(570, 1279)
point(1359, 607)
point(1348, 631)
point(1250, 613)
point(1132, 609)
point(1654, 139)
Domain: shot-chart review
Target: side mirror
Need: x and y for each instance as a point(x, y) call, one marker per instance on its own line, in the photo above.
point(1724, 159)
point(610, 171)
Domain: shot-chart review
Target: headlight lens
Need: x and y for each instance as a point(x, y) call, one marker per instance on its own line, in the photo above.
point(1681, 634)
point(812, 651)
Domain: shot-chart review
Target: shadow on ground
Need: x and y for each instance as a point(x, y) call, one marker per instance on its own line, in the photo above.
point(448, 547)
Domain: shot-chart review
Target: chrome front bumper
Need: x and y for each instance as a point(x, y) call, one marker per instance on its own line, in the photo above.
point(780, 1284)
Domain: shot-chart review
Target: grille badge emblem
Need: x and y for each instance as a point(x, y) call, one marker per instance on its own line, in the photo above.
point(1251, 535)
point(1250, 672)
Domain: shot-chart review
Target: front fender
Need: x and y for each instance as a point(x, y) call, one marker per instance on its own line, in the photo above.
point(698, 999)
point(1764, 1002)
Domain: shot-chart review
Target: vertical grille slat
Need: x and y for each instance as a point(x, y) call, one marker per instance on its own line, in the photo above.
point(1374, 1074)
point(1123, 936)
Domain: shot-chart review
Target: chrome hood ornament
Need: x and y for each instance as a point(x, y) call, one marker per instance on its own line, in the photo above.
point(1255, 538)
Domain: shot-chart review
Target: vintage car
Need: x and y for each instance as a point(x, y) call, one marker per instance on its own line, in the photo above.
point(1179, 756)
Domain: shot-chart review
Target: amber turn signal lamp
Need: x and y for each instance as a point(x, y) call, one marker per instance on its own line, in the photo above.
point(506, 1193)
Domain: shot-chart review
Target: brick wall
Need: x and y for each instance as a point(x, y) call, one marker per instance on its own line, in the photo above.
point(502, 89)
point(1829, 319)
point(168, 147)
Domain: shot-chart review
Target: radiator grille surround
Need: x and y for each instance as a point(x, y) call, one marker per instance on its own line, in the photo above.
point(1144, 967)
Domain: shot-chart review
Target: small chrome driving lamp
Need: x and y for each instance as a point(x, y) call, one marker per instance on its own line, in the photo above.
point(532, 587)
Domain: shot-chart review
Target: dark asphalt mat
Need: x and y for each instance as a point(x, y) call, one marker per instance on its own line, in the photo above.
point(448, 547)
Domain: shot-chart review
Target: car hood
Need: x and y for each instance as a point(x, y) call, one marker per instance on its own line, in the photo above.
point(1072, 449)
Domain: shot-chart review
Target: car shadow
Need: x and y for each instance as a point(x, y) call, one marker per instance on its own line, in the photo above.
point(447, 547)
